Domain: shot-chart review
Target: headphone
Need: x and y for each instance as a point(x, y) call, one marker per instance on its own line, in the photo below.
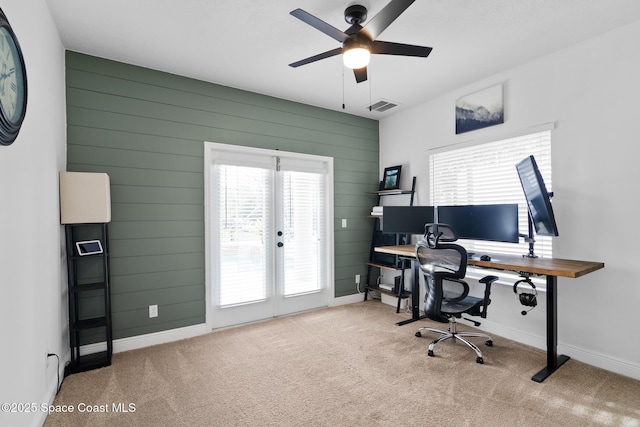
point(527, 299)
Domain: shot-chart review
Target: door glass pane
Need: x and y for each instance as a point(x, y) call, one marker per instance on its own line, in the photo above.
point(243, 218)
point(303, 227)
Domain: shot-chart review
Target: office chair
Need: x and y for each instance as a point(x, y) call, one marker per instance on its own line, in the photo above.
point(444, 265)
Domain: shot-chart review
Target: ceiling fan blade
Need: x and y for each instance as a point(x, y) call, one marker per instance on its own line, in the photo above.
point(361, 74)
point(389, 48)
point(385, 17)
point(318, 57)
point(320, 25)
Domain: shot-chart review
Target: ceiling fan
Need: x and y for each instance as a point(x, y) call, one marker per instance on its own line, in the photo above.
point(359, 42)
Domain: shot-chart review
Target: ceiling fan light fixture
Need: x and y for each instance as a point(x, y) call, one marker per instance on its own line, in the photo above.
point(356, 57)
point(359, 41)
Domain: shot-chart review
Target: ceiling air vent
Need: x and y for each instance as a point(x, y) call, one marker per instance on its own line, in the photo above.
point(382, 105)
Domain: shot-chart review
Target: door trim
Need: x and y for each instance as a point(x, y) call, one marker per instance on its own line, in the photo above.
point(209, 149)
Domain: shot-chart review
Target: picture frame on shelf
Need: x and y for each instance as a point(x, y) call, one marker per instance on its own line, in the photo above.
point(391, 178)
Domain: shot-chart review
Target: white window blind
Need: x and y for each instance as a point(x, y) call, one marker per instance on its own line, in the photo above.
point(486, 174)
point(243, 210)
point(303, 227)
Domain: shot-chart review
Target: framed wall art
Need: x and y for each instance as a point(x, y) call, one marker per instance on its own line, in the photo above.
point(480, 110)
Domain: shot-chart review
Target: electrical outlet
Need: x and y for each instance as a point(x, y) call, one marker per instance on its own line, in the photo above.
point(357, 279)
point(153, 311)
point(344, 222)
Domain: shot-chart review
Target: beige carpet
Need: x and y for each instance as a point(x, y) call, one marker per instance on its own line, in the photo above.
point(343, 366)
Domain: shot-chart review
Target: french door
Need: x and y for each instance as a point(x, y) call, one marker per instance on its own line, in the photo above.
point(269, 233)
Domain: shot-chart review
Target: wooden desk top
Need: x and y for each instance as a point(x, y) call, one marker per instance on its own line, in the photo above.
point(545, 266)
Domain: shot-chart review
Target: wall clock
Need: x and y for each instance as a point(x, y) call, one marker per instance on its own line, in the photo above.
point(13, 83)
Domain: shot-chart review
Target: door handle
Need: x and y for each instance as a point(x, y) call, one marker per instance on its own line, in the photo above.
point(280, 244)
point(279, 233)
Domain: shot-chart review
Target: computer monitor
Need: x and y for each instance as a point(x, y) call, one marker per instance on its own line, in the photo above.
point(498, 223)
point(406, 219)
point(538, 199)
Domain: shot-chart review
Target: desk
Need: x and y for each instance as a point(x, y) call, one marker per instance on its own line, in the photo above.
point(552, 268)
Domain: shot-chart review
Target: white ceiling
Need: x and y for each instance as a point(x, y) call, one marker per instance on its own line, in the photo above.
point(248, 44)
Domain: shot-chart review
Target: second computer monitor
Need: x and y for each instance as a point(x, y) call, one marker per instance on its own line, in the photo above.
point(406, 219)
point(498, 223)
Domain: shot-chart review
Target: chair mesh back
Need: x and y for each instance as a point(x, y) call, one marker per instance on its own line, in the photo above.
point(453, 290)
point(448, 259)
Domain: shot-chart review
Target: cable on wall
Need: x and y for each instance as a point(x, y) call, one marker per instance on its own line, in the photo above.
point(58, 384)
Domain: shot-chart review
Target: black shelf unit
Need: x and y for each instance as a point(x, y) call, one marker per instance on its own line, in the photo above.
point(88, 280)
point(384, 261)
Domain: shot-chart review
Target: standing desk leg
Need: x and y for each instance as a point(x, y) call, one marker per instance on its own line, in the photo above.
point(553, 360)
point(400, 289)
point(415, 294)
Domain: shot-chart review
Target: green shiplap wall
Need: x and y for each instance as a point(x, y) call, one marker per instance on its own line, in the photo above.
point(146, 129)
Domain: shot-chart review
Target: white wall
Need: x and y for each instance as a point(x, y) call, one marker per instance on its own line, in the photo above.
point(590, 92)
point(32, 270)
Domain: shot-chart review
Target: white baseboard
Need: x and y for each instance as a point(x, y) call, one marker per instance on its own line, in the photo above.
point(621, 367)
point(628, 369)
point(147, 340)
point(141, 341)
point(349, 299)
point(589, 357)
point(514, 334)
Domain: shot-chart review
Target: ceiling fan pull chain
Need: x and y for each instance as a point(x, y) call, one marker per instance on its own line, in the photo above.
point(370, 78)
point(342, 86)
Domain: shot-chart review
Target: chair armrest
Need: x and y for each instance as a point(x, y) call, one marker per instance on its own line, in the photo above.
point(488, 281)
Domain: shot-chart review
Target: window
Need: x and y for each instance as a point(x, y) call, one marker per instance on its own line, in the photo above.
point(486, 174)
point(243, 213)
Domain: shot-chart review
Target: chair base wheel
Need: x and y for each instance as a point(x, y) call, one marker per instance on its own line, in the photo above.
point(430, 353)
point(418, 334)
point(479, 360)
point(488, 343)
